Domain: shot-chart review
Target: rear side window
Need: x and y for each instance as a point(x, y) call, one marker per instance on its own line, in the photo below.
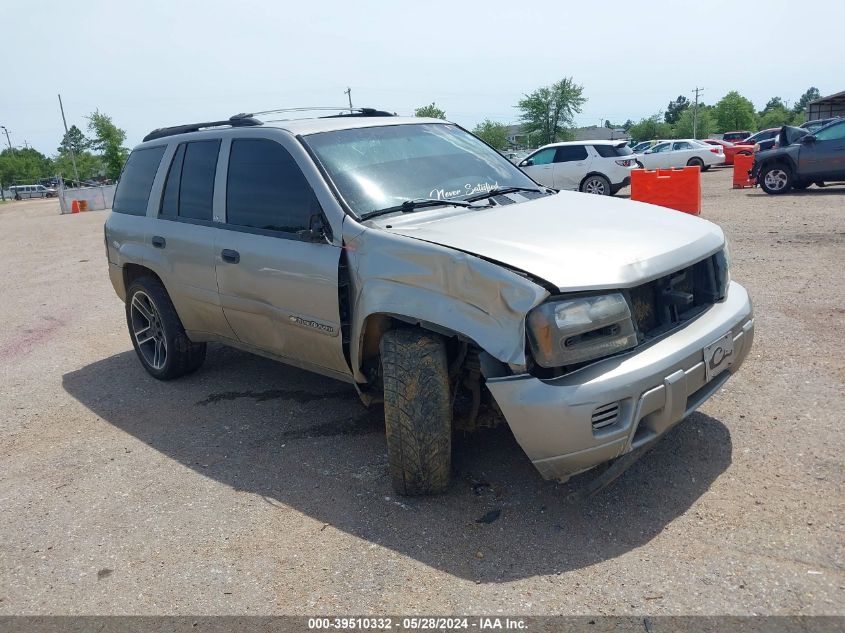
point(683, 145)
point(609, 151)
point(567, 153)
point(266, 189)
point(133, 191)
point(189, 189)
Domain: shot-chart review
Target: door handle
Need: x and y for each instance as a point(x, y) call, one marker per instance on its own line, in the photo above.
point(158, 241)
point(230, 256)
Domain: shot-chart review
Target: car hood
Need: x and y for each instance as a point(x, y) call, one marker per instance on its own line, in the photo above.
point(572, 240)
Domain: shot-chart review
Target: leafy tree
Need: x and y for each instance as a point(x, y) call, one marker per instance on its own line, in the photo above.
point(704, 125)
point(108, 141)
point(627, 125)
point(74, 140)
point(495, 134)
point(734, 112)
point(675, 109)
point(810, 95)
point(650, 128)
point(775, 117)
point(24, 166)
point(430, 111)
point(548, 111)
point(87, 164)
point(772, 104)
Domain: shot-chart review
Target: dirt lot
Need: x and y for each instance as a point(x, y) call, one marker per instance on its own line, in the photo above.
point(251, 487)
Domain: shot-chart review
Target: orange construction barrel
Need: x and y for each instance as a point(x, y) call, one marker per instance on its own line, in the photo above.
point(74, 206)
point(678, 189)
point(83, 205)
point(742, 163)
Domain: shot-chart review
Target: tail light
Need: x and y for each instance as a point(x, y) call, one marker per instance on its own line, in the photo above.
point(716, 150)
point(625, 163)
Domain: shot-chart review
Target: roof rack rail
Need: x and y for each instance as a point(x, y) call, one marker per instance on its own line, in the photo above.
point(340, 111)
point(239, 120)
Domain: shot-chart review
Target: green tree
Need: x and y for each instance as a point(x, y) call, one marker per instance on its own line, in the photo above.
point(108, 141)
point(675, 109)
point(771, 104)
point(811, 94)
point(430, 111)
point(704, 125)
point(734, 112)
point(89, 165)
point(650, 128)
point(74, 140)
point(548, 111)
point(492, 133)
point(23, 166)
point(775, 117)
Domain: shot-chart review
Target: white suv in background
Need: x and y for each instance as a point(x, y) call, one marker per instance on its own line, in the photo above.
point(684, 152)
point(600, 167)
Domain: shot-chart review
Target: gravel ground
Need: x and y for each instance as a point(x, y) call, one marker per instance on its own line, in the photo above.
point(255, 488)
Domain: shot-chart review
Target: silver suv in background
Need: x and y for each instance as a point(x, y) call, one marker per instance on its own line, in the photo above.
point(409, 259)
point(599, 167)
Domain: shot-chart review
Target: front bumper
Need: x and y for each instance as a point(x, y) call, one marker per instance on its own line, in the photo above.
point(654, 389)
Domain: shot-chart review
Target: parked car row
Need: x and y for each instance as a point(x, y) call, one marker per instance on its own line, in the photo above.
point(24, 192)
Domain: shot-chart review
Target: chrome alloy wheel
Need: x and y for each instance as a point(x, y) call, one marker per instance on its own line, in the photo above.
point(776, 179)
point(596, 186)
point(147, 330)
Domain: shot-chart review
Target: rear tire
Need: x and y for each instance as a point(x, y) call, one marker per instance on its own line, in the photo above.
point(417, 411)
point(158, 337)
point(596, 184)
point(775, 179)
point(696, 162)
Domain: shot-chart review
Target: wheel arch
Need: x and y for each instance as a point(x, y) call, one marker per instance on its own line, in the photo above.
point(594, 173)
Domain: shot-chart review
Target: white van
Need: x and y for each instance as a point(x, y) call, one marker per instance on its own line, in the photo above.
point(22, 192)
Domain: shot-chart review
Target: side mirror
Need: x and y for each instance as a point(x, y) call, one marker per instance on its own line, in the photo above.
point(526, 163)
point(317, 231)
point(808, 139)
point(648, 151)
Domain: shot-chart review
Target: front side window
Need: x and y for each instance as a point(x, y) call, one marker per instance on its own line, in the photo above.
point(266, 188)
point(378, 167)
point(569, 153)
point(136, 181)
point(189, 189)
point(544, 156)
point(661, 147)
point(832, 133)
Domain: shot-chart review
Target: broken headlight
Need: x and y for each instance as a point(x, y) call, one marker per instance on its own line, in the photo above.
point(576, 330)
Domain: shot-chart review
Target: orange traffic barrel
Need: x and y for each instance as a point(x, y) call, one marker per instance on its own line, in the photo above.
point(74, 206)
point(678, 189)
point(742, 164)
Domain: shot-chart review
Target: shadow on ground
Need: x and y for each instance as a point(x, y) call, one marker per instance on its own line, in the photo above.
point(306, 442)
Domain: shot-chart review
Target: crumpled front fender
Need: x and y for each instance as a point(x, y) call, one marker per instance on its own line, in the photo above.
point(435, 285)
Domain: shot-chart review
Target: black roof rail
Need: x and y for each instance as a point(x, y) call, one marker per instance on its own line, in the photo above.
point(339, 111)
point(359, 112)
point(239, 120)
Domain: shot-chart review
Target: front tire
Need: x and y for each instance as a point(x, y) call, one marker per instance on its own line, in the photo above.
point(158, 337)
point(775, 179)
point(417, 411)
point(596, 184)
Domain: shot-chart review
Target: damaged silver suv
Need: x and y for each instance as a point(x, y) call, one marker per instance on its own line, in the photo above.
point(410, 259)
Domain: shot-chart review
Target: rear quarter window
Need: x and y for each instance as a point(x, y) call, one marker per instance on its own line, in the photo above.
point(133, 190)
point(610, 151)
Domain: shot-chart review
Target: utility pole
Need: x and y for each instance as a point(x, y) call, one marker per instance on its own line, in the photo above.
point(7, 136)
point(695, 112)
point(348, 93)
point(70, 148)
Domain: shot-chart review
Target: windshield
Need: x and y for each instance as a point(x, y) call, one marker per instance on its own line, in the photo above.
point(378, 167)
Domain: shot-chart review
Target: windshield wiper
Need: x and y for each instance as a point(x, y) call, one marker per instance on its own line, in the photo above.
point(417, 203)
point(497, 191)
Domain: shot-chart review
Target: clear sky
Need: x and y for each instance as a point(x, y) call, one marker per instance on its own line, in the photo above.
point(155, 63)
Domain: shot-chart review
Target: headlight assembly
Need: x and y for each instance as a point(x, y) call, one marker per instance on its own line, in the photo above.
point(576, 330)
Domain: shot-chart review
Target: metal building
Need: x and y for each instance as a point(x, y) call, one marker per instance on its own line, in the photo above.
point(827, 107)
